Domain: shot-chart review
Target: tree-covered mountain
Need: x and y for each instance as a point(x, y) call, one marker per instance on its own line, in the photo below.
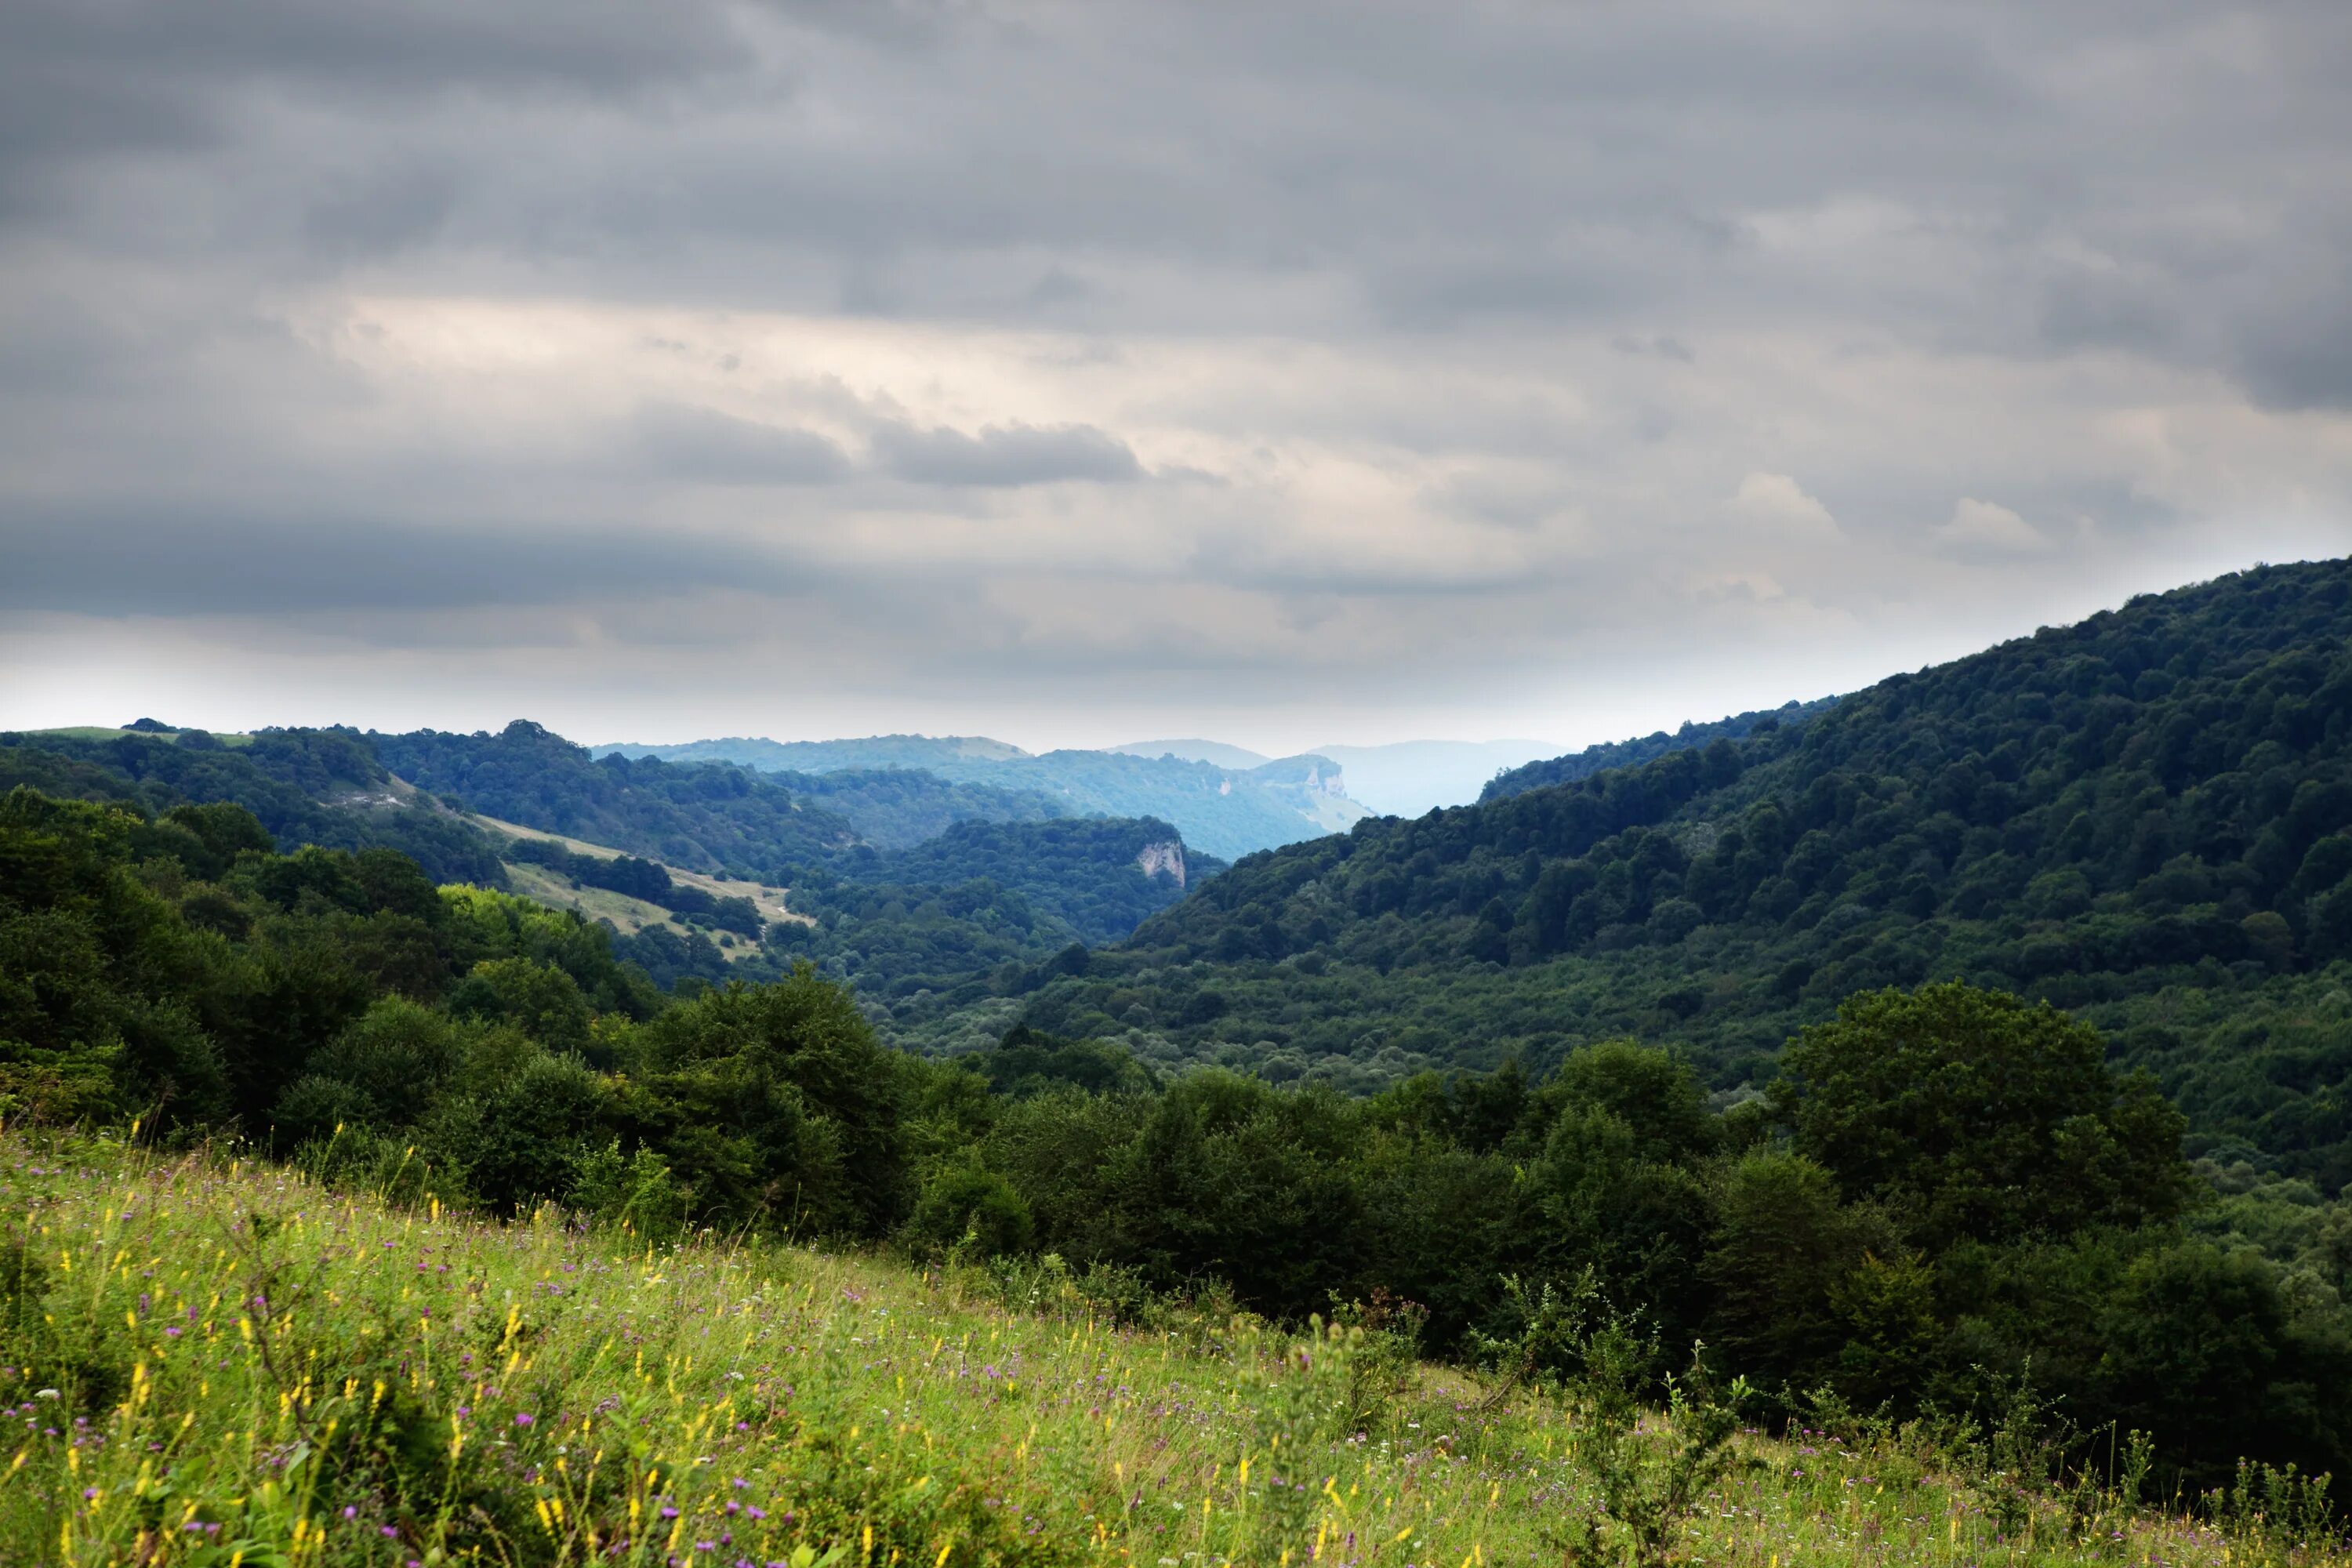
point(898, 808)
point(306, 787)
point(2146, 817)
point(1629, 753)
point(707, 817)
point(1221, 811)
point(1105, 876)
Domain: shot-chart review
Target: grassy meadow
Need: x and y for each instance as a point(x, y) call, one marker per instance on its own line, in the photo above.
point(225, 1364)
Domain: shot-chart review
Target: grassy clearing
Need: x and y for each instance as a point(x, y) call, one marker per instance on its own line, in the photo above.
point(770, 902)
point(213, 1364)
point(628, 915)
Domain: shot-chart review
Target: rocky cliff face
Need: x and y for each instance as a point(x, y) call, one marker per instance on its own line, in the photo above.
point(1166, 855)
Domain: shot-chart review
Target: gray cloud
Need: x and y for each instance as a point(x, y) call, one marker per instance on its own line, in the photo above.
point(1401, 354)
point(1004, 455)
point(704, 445)
point(107, 562)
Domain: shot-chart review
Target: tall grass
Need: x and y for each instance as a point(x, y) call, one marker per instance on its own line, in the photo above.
point(215, 1363)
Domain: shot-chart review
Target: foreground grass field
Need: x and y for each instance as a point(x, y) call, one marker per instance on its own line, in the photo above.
point(226, 1365)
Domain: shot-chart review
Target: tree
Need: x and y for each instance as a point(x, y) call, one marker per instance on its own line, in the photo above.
point(1970, 1114)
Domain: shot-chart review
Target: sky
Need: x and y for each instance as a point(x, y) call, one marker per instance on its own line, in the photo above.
point(1075, 374)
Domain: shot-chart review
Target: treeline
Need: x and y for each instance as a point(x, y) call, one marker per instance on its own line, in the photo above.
point(1947, 1194)
point(1611, 754)
point(2143, 817)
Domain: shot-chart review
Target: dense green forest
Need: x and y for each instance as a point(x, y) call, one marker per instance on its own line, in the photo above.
point(1948, 1198)
point(1225, 812)
point(1091, 872)
point(306, 787)
point(2146, 818)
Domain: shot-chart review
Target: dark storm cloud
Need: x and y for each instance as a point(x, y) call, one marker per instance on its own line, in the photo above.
point(1004, 455)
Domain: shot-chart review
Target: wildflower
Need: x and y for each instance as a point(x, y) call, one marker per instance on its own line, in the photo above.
point(523, 1420)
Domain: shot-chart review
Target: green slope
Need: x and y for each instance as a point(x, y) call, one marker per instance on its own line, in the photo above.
point(790, 1405)
point(2147, 818)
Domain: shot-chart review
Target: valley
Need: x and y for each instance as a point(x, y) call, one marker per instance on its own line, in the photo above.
point(1981, 1035)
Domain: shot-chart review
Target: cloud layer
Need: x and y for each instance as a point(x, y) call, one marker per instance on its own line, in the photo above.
point(1075, 372)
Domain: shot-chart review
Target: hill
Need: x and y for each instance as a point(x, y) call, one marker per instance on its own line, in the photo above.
point(1225, 812)
point(1103, 875)
point(898, 808)
point(306, 787)
point(1582, 764)
point(702, 818)
point(799, 1407)
point(2143, 817)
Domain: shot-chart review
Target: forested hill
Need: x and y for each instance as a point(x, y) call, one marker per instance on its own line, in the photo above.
point(910, 912)
point(2147, 818)
point(701, 817)
point(1103, 875)
point(1629, 753)
point(306, 787)
point(1222, 811)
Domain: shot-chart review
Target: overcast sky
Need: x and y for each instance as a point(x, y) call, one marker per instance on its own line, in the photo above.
point(1286, 373)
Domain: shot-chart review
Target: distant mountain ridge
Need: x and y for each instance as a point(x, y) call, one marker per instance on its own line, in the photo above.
point(1196, 751)
point(1225, 812)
